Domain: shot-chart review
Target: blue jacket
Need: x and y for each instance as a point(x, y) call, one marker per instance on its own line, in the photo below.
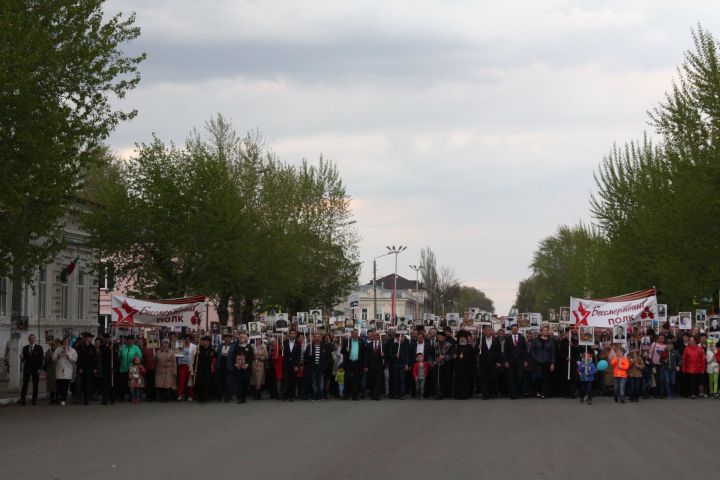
point(591, 369)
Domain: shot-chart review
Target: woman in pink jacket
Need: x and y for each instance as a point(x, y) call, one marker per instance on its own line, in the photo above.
point(693, 365)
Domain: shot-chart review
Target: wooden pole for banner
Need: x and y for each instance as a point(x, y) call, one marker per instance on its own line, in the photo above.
point(207, 317)
point(569, 350)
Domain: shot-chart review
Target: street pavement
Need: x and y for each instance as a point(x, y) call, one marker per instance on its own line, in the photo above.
point(389, 439)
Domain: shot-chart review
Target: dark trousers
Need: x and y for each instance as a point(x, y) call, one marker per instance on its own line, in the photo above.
point(241, 384)
point(289, 384)
point(693, 380)
point(87, 383)
point(397, 380)
point(586, 390)
point(487, 376)
point(515, 374)
point(62, 389)
point(223, 385)
point(542, 379)
point(636, 387)
point(202, 385)
point(106, 389)
point(150, 391)
point(27, 373)
point(376, 382)
point(353, 377)
point(121, 386)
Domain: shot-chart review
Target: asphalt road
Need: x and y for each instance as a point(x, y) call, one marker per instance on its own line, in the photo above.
point(390, 439)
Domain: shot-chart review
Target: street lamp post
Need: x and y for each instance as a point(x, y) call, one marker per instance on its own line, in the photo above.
point(374, 281)
point(417, 294)
point(396, 251)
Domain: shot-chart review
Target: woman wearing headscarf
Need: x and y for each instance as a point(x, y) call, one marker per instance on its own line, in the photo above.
point(165, 370)
point(257, 377)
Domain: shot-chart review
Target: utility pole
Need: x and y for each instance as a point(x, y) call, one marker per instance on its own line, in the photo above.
point(417, 294)
point(396, 251)
point(374, 281)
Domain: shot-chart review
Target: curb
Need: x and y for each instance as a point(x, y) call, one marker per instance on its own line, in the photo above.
point(14, 400)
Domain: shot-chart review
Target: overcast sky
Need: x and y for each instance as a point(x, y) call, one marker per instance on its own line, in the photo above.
point(472, 127)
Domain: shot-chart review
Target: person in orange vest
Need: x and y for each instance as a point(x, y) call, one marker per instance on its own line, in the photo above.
point(620, 364)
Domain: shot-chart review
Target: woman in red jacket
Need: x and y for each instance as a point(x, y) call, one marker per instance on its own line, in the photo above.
point(693, 365)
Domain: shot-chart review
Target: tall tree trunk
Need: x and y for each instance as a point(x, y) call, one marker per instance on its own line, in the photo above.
point(222, 310)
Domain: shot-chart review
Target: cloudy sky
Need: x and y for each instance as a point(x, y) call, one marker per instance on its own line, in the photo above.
point(472, 127)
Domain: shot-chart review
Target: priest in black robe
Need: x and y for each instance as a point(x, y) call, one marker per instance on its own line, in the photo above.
point(463, 367)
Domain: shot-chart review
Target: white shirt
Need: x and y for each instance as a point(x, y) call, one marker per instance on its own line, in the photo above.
point(420, 348)
point(225, 350)
point(291, 344)
point(488, 342)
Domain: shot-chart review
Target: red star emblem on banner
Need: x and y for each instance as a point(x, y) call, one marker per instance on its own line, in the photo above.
point(126, 318)
point(581, 315)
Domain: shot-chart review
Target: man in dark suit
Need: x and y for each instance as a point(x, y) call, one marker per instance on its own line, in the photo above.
point(515, 358)
point(292, 352)
point(32, 360)
point(375, 366)
point(354, 355)
point(489, 360)
point(396, 352)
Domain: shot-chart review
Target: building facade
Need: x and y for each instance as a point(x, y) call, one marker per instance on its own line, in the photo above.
point(50, 307)
point(410, 299)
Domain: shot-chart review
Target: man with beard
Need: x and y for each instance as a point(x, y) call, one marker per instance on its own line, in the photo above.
point(515, 357)
point(489, 361)
point(443, 361)
point(463, 367)
point(244, 355)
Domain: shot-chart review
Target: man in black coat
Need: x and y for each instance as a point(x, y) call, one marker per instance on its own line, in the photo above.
point(292, 353)
point(443, 362)
point(354, 355)
point(87, 365)
point(375, 366)
point(244, 356)
point(489, 361)
point(108, 367)
point(396, 352)
point(515, 358)
point(32, 360)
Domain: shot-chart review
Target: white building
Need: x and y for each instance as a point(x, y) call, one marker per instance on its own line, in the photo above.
point(410, 299)
point(53, 308)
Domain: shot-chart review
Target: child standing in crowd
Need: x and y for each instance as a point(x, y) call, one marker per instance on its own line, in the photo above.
point(340, 380)
point(136, 379)
point(712, 368)
point(620, 364)
point(419, 373)
point(635, 374)
point(586, 371)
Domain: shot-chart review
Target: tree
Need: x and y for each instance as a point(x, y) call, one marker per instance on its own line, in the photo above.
point(469, 297)
point(223, 217)
point(61, 63)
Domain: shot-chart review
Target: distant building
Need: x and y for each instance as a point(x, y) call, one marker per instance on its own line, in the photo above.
point(410, 301)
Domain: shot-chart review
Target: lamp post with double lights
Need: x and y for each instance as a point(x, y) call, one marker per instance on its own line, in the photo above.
point(374, 281)
point(396, 251)
point(417, 294)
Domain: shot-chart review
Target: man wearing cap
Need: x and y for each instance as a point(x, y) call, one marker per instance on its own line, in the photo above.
point(87, 365)
point(108, 360)
point(443, 360)
point(127, 352)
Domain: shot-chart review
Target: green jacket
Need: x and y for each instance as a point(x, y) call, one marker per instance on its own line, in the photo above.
point(126, 355)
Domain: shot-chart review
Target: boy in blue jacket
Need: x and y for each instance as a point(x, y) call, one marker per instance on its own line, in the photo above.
point(586, 370)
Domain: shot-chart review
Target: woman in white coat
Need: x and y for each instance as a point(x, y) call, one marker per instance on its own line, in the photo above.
point(65, 357)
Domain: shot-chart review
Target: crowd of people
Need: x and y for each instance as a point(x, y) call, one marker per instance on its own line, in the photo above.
point(437, 363)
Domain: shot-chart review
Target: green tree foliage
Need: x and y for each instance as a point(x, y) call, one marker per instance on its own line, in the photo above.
point(656, 209)
point(61, 69)
point(468, 297)
point(223, 217)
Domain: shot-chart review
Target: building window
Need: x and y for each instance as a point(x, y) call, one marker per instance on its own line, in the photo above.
point(3, 295)
point(364, 314)
point(42, 293)
point(24, 302)
point(81, 294)
point(64, 300)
